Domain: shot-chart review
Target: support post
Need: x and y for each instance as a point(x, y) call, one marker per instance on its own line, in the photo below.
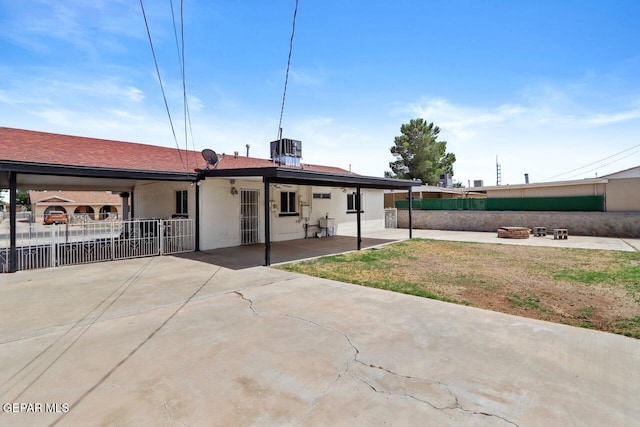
point(267, 224)
point(197, 190)
point(358, 209)
point(13, 194)
point(410, 212)
point(125, 205)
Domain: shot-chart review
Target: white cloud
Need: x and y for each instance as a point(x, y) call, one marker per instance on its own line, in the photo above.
point(88, 26)
point(602, 119)
point(542, 135)
point(135, 94)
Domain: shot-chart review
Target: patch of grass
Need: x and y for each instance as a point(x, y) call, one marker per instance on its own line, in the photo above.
point(583, 276)
point(629, 327)
point(586, 312)
point(525, 301)
point(629, 276)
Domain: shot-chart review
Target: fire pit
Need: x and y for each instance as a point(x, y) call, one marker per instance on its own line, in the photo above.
point(514, 232)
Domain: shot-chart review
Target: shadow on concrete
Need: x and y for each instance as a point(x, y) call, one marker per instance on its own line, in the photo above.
point(239, 257)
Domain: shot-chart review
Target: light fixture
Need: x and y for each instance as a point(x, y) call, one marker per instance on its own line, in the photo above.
point(234, 191)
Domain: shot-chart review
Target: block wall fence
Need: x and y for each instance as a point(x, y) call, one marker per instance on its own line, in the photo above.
point(604, 224)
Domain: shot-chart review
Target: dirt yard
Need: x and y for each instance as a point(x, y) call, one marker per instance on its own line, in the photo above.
point(586, 288)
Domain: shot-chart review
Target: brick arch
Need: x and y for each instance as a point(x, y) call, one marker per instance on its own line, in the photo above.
point(85, 210)
point(107, 210)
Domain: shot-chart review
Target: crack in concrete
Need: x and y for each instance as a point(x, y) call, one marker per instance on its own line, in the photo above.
point(372, 387)
point(457, 406)
point(427, 380)
point(255, 313)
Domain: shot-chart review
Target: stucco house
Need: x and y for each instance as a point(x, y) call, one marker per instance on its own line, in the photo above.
point(235, 200)
point(78, 205)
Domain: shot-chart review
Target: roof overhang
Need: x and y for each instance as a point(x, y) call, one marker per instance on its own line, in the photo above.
point(41, 176)
point(280, 175)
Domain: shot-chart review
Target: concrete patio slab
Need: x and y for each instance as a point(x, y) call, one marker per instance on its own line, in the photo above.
point(576, 242)
point(239, 257)
point(169, 341)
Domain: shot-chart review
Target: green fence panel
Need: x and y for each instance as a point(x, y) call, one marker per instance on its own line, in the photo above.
point(576, 203)
point(454, 204)
point(444, 204)
point(404, 204)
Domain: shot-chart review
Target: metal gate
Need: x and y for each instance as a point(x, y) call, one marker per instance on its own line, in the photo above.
point(249, 216)
point(42, 246)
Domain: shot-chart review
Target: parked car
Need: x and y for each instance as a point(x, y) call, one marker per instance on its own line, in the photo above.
point(55, 217)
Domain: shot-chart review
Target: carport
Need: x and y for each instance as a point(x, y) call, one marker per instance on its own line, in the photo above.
point(45, 177)
point(44, 161)
point(287, 175)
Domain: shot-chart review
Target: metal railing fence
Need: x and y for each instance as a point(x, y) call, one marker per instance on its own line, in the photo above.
point(41, 246)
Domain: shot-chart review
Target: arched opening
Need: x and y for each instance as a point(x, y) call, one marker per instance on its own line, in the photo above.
point(55, 215)
point(84, 212)
point(54, 208)
point(108, 211)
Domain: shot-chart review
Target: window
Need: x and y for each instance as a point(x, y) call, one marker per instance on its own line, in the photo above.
point(351, 203)
point(182, 202)
point(321, 195)
point(287, 203)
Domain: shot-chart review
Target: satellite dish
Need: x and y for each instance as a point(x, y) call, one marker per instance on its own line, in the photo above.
point(211, 157)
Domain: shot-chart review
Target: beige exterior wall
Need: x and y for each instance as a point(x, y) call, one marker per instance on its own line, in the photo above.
point(623, 195)
point(550, 191)
point(158, 199)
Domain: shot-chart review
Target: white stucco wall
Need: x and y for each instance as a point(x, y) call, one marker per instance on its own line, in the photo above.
point(286, 228)
point(220, 209)
point(220, 212)
point(158, 199)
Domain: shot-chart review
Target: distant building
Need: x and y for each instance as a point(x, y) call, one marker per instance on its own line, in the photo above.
point(78, 205)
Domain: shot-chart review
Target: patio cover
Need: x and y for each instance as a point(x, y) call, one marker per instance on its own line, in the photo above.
point(288, 175)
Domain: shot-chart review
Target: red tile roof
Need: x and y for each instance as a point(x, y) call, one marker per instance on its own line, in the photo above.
point(49, 148)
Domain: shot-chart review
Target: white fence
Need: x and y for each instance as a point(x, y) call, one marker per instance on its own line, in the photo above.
point(41, 246)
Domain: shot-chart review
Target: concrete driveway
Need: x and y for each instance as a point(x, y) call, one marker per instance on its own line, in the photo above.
point(168, 341)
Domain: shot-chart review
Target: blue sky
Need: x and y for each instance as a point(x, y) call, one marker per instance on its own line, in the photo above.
point(547, 86)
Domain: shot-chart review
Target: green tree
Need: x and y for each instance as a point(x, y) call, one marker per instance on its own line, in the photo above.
point(22, 198)
point(419, 154)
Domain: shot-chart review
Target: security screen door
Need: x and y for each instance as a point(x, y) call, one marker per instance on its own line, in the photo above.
point(249, 218)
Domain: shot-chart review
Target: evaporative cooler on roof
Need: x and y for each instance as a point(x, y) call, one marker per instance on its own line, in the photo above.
point(286, 151)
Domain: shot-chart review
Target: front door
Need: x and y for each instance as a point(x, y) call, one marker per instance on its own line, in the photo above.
point(249, 218)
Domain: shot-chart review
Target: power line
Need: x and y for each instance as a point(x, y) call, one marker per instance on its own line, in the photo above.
point(610, 163)
point(596, 162)
point(181, 63)
point(184, 81)
point(164, 96)
point(286, 78)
